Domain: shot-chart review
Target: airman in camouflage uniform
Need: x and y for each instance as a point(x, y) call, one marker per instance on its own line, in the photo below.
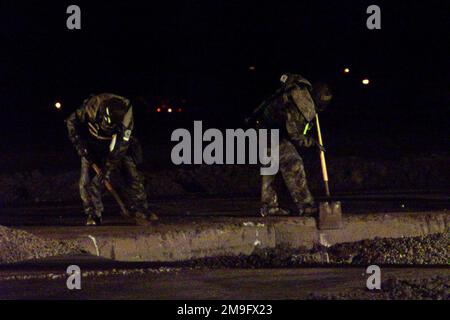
point(101, 131)
point(292, 110)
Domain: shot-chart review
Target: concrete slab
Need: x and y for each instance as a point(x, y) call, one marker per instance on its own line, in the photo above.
point(188, 238)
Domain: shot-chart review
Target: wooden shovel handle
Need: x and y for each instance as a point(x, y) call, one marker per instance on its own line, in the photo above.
point(322, 157)
point(123, 208)
point(98, 171)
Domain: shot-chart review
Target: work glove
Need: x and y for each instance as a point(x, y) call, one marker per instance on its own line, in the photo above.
point(83, 152)
point(103, 176)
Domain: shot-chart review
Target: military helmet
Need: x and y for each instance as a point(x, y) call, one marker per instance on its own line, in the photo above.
point(320, 91)
point(289, 79)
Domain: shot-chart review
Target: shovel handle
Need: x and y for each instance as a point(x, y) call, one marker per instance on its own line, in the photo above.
point(323, 163)
point(97, 171)
point(113, 192)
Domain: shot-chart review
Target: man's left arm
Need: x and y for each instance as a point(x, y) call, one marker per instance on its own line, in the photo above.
point(120, 142)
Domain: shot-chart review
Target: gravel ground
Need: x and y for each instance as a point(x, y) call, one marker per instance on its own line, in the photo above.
point(18, 245)
point(425, 250)
point(91, 273)
point(436, 288)
point(431, 249)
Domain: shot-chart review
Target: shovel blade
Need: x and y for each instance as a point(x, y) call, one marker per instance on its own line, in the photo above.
point(330, 215)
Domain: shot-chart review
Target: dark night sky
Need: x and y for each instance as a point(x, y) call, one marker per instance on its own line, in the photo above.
point(201, 50)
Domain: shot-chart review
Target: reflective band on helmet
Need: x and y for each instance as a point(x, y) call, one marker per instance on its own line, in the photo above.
point(127, 135)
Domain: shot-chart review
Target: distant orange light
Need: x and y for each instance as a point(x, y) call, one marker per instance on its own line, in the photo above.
point(58, 105)
point(365, 82)
point(169, 110)
point(158, 110)
point(252, 68)
point(346, 70)
point(179, 110)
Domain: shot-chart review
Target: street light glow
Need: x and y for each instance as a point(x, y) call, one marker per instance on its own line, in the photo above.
point(58, 105)
point(346, 70)
point(365, 81)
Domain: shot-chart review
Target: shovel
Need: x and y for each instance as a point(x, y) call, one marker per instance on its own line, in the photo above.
point(330, 212)
point(123, 208)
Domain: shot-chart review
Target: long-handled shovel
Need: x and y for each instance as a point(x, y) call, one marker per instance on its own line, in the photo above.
point(330, 212)
point(123, 209)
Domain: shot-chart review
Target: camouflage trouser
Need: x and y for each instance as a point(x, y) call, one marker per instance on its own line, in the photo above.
point(91, 190)
point(294, 176)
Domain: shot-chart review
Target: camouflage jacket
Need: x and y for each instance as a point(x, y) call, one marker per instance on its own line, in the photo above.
point(292, 111)
point(86, 129)
point(296, 128)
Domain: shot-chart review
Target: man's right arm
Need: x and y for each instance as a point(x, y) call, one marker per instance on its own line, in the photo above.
point(298, 138)
point(74, 122)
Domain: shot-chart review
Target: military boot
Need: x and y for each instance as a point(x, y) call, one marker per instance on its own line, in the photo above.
point(93, 220)
point(143, 219)
point(273, 211)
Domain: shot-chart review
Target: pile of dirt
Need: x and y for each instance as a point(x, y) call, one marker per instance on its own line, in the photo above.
point(436, 288)
point(424, 250)
point(18, 245)
point(34, 187)
point(430, 249)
